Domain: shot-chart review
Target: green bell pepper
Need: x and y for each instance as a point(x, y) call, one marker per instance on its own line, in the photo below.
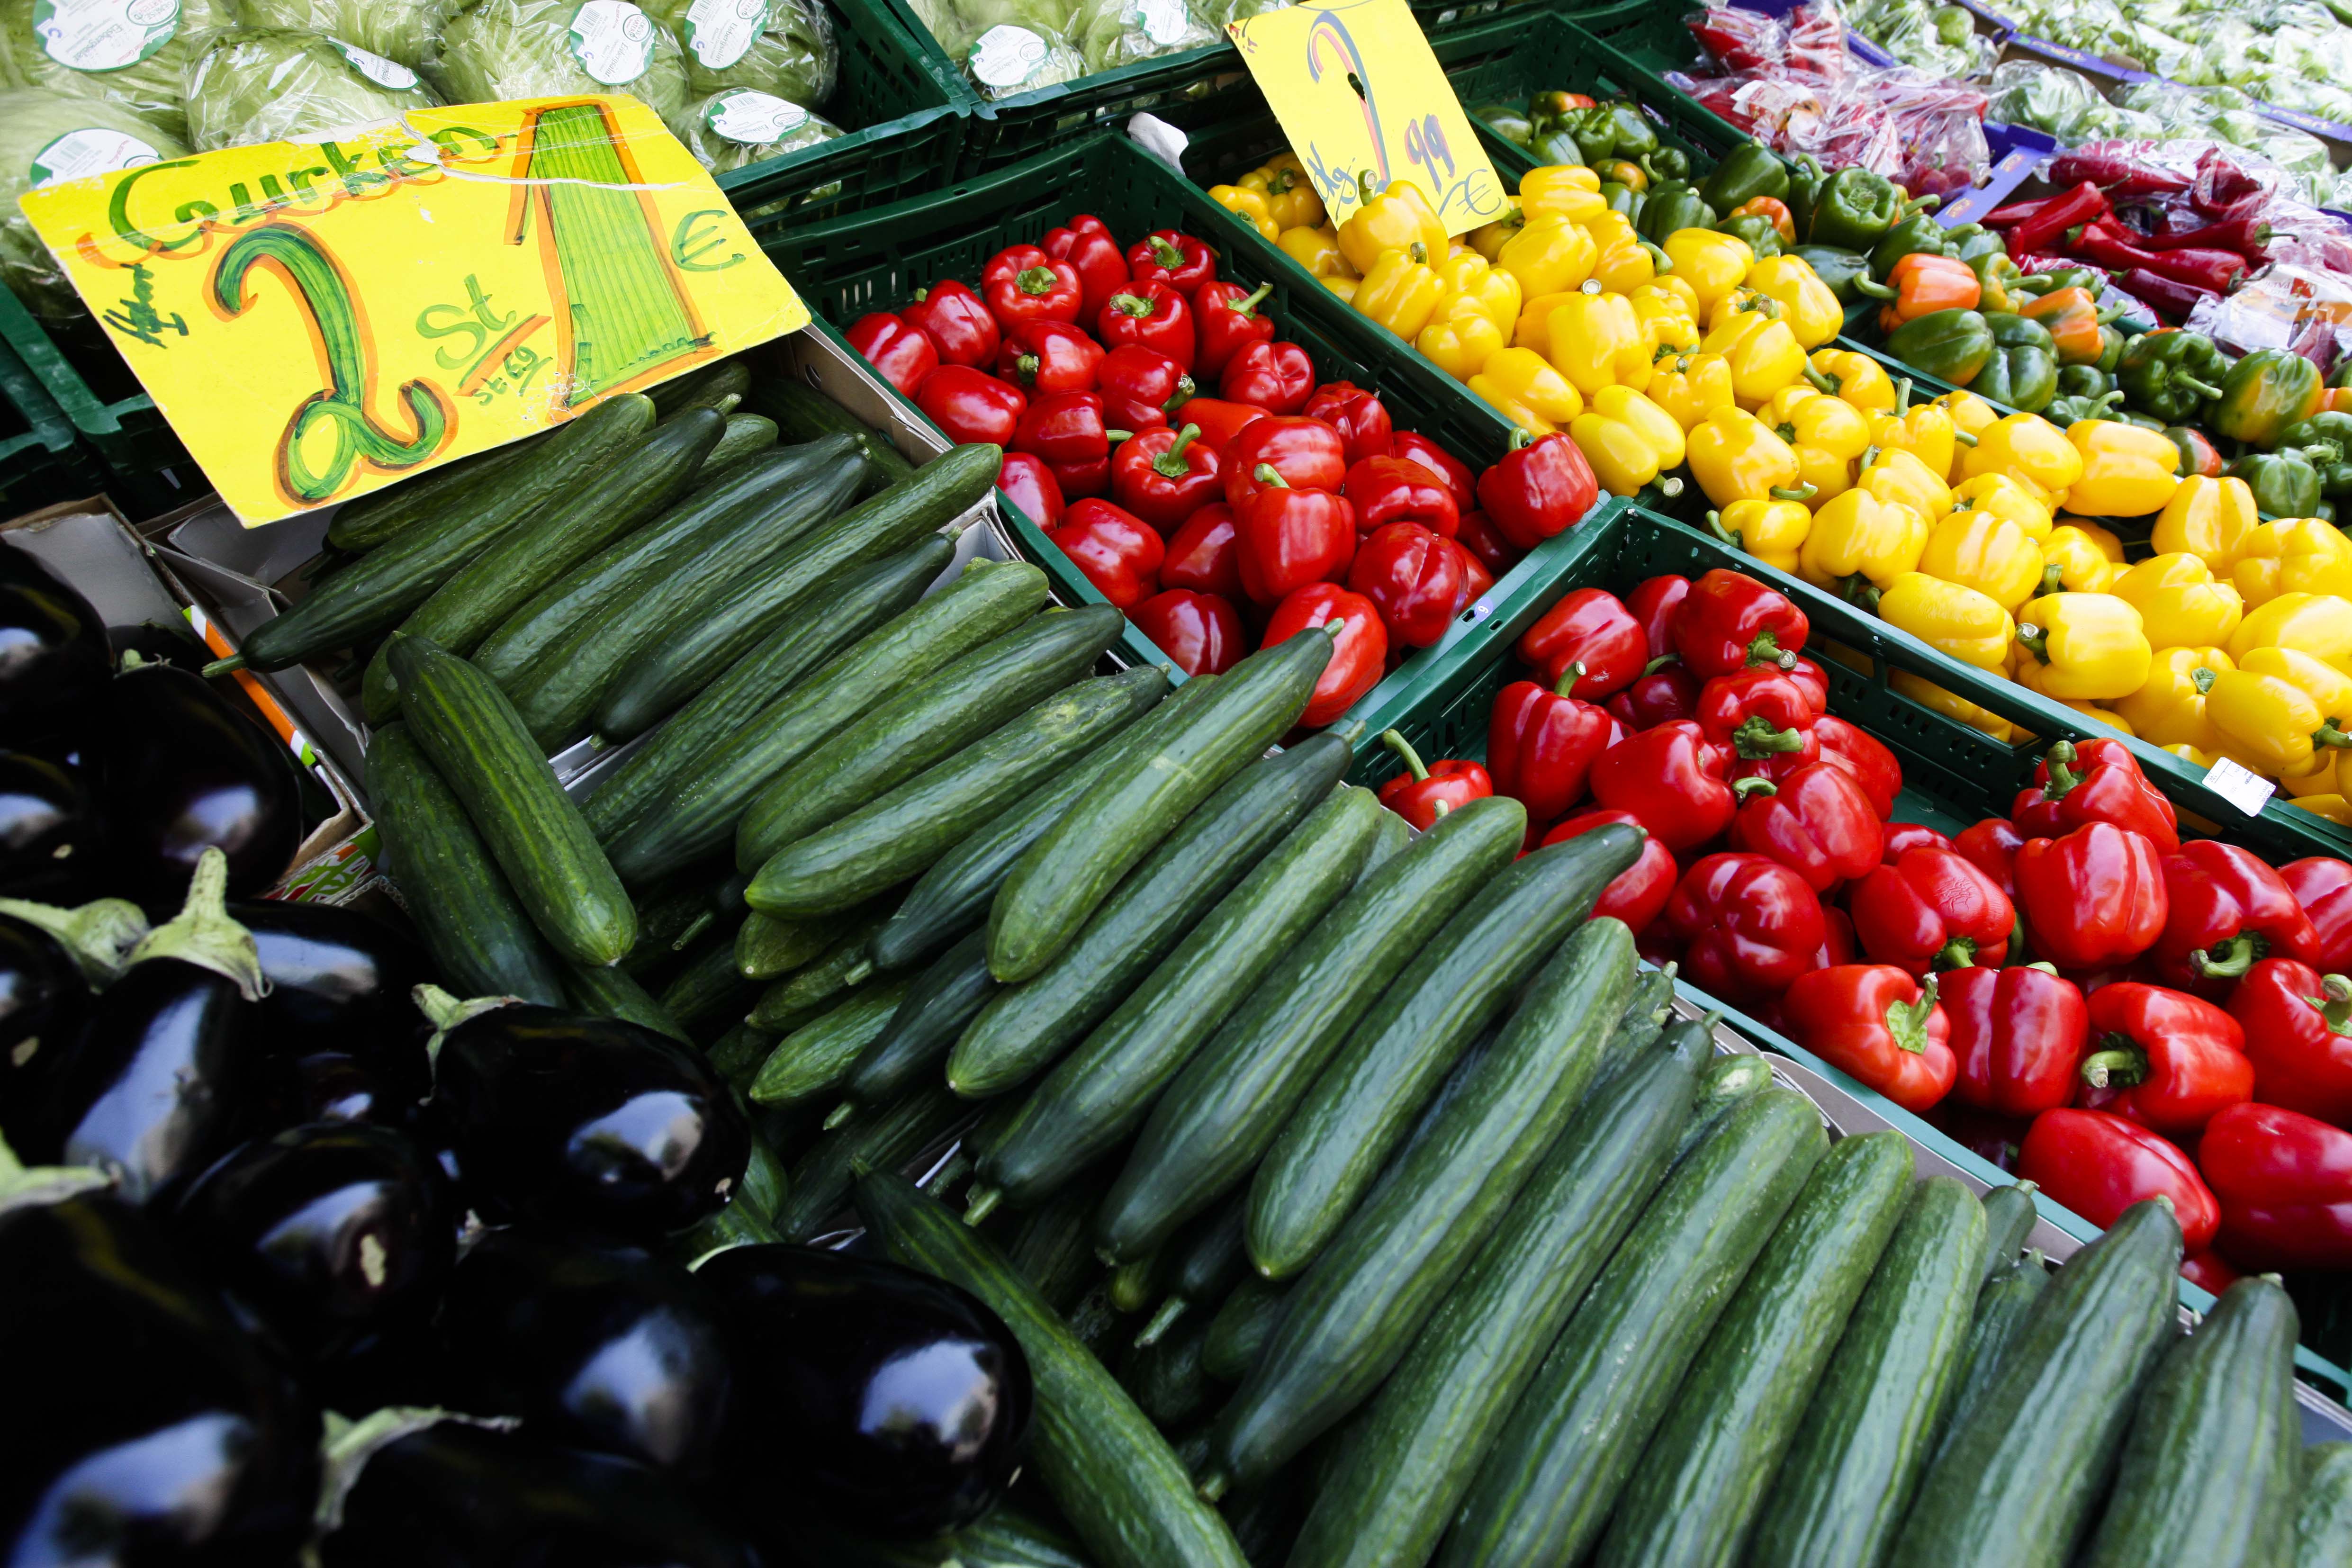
point(2142, 421)
point(1673, 205)
point(1918, 234)
point(1636, 138)
point(1763, 235)
point(2199, 455)
point(2284, 483)
point(1838, 269)
point(1623, 199)
point(2113, 341)
point(2171, 375)
point(1854, 209)
point(2022, 370)
point(1950, 345)
point(1555, 143)
point(1997, 278)
point(2331, 429)
point(2262, 393)
point(1667, 164)
point(2086, 381)
point(2343, 377)
point(2086, 277)
point(1747, 171)
point(1806, 178)
point(1509, 123)
point(1971, 241)
point(2064, 411)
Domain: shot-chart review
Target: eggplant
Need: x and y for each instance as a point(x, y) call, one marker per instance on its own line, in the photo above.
point(574, 1122)
point(346, 1041)
point(43, 1002)
point(53, 658)
point(457, 1495)
point(182, 772)
point(890, 1402)
point(52, 839)
point(605, 1348)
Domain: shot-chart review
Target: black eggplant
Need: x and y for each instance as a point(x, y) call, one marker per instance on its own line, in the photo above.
point(888, 1401)
point(52, 839)
point(590, 1123)
point(599, 1347)
point(43, 1003)
point(53, 658)
point(347, 1043)
point(456, 1495)
point(181, 772)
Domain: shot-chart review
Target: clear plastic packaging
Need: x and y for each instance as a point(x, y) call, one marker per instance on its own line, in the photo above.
point(1007, 59)
point(49, 136)
point(130, 53)
point(550, 49)
point(785, 48)
point(397, 29)
point(739, 126)
point(274, 84)
point(1114, 33)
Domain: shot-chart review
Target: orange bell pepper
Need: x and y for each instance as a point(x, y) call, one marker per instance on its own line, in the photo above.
point(1784, 222)
point(1924, 284)
point(2073, 320)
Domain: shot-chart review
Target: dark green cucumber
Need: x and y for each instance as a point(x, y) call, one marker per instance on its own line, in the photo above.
point(1134, 1285)
point(897, 835)
point(697, 816)
point(705, 388)
point(676, 914)
point(1354, 1314)
point(611, 992)
point(736, 1055)
point(1696, 1494)
point(1048, 1248)
point(1025, 1029)
point(1112, 1474)
point(1396, 1481)
point(1723, 1084)
point(2214, 1463)
point(1243, 1324)
point(2009, 1220)
point(823, 1176)
point(465, 723)
point(943, 1001)
point(814, 1058)
point(1004, 1539)
point(1226, 1106)
point(1646, 1011)
point(805, 414)
point(1864, 1443)
point(2003, 1302)
point(2323, 1515)
point(743, 437)
point(1049, 894)
point(481, 938)
point(1166, 1377)
point(1100, 1092)
point(793, 999)
point(1555, 1469)
point(734, 1226)
point(380, 516)
point(1365, 1101)
point(1201, 1263)
point(708, 991)
point(2019, 1479)
point(766, 947)
point(856, 602)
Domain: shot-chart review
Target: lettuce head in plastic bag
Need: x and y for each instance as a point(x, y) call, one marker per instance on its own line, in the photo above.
point(132, 53)
point(397, 29)
point(1007, 59)
point(46, 137)
point(739, 126)
point(549, 48)
point(274, 84)
point(1115, 33)
point(782, 47)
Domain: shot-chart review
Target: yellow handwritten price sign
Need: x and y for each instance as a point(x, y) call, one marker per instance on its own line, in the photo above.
point(321, 318)
point(1358, 91)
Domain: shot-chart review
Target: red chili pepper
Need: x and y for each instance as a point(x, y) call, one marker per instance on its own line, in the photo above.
point(1654, 601)
point(1541, 745)
point(1540, 488)
point(1749, 926)
point(958, 323)
point(1363, 421)
point(1874, 767)
point(1165, 255)
point(1200, 633)
point(2093, 899)
point(1729, 621)
point(1932, 910)
point(1151, 316)
point(1991, 846)
point(2114, 246)
point(1025, 477)
point(2322, 886)
point(1305, 452)
point(1119, 554)
point(1426, 791)
point(1675, 780)
point(2297, 1026)
point(1364, 435)
point(1591, 628)
point(2248, 236)
point(2083, 203)
point(1022, 283)
point(2019, 1034)
point(1479, 535)
point(971, 406)
point(2283, 1182)
point(1659, 697)
point(1289, 539)
point(2018, 212)
point(1412, 578)
point(903, 354)
point(1165, 475)
point(1140, 387)
point(1358, 654)
point(1638, 894)
point(2227, 910)
point(2097, 781)
point(2173, 301)
point(1226, 320)
point(1397, 490)
point(1899, 836)
point(1066, 428)
point(1049, 356)
point(2162, 1058)
point(1276, 377)
point(1087, 246)
point(1817, 822)
point(1203, 556)
point(1876, 1025)
point(2099, 1165)
point(1758, 709)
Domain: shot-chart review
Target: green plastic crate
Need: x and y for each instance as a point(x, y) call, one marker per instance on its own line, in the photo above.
point(40, 461)
point(141, 462)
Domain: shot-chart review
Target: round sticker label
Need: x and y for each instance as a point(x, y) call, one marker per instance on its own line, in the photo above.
point(753, 119)
point(103, 34)
point(78, 155)
point(613, 40)
point(1164, 21)
point(376, 68)
point(720, 32)
point(1006, 56)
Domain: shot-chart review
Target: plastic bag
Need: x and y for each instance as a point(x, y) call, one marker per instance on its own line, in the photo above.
point(1006, 60)
point(739, 126)
point(130, 53)
point(782, 47)
point(49, 136)
point(2047, 98)
point(274, 84)
point(551, 49)
point(1114, 33)
point(397, 29)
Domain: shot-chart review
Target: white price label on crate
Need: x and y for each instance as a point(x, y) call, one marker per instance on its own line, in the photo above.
point(2240, 787)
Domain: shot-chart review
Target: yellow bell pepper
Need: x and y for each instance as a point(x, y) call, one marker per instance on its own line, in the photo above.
point(1527, 390)
point(2294, 555)
point(1690, 387)
point(2098, 715)
point(1862, 535)
point(1990, 554)
point(2169, 709)
point(1770, 531)
point(1561, 190)
point(1712, 264)
point(1734, 456)
point(1949, 617)
point(1549, 255)
point(2085, 646)
point(1401, 291)
point(1344, 288)
point(1487, 240)
point(1971, 418)
point(1762, 351)
point(1925, 431)
point(1628, 439)
point(1852, 376)
point(1952, 705)
point(1627, 262)
point(2180, 603)
point(1249, 205)
point(2072, 563)
point(1391, 219)
point(1664, 323)
point(1812, 312)
point(1897, 476)
point(2024, 446)
point(2004, 496)
point(2318, 624)
point(2334, 809)
point(2126, 471)
point(2279, 708)
point(1607, 228)
point(1315, 249)
point(1829, 434)
point(2213, 519)
point(2326, 775)
point(1290, 198)
point(1668, 283)
point(1596, 341)
point(1460, 341)
point(1469, 279)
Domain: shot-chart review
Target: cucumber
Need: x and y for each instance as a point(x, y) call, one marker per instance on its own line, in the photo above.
point(1241, 1328)
point(815, 984)
point(2018, 1480)
point(1004, 1539)
point(2003, 1302)
point(1411, 1454)
point(708, 989)
point(1864, 1443)
point(1696, 1495)
point(1027, 1027)
point(814, 1058)
point(736, 1055)
point(2213, 1466)
point(705, 388)
point(744, 435)
point(699, 816)
point(2009, 1220)
point(1227, 1105)
point(766, 947)
point(482, 941)
point(1646, 1011)
point(943, 1000)
point(1392, 839)
point(679, 914)
point(1723, 1084)
point(899, 834)
point(1133, 1286)
point(1048, 1248)
point(2323, 1515)
point(823, 1176)
point(380, 516)
point(1051, 891)
point(1166, 1379)
point(1367, 1097)
point(1111, 1473)
point(612, 993)
point(1354, 1314)
point(465, 723)
point(807, 413)
point(734, 1226)
point(1547, 1485)
point(1202, 1263)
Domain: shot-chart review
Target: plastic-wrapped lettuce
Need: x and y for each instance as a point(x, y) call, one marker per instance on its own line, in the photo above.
point(739, 126)
point(49, 136)
point(1008, 59)
point(547, 49)
point(1222, 14)
point(274, 84)
point(130, 53)
point(1114, 33)
point(782, 47)
point(397, 29)
point(2047, 98)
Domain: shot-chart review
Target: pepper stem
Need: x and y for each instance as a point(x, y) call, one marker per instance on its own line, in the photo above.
point(1164, 252)
point(2227, 959)
point(99, 936)
point(2036, 641)
point(1728, 535)
point(1806, 491)
point(203, 934)
point(2060, 760)
point(1269, 476)
point(1960, 952)
point(2327, 734)
point(1172, 463)
point(2120, 1062)
point(1248, 307)
point(2203, 679)
point(1822, 380)
point(1035, 280)
point(1569, 678)
point(2336, 1003)
point(2053, 578)
point(1965, 437)
point(1404, 749)
point(1661, 662)
point(1756, 739)
point(2202, 389)
point(1767, 649)
point(1752, 785)
point(2046, 968)
point(1907, 1021)
point(1134, 305)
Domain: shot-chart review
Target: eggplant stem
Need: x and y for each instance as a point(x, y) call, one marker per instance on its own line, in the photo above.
point(99, 936)
point(23, 1186)
point(203, 934)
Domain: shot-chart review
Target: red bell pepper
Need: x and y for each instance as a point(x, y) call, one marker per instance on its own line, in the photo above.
point(2322, 886)
point(1991, 846)
point(1412, 578)
point(2284, 1185)
point(2208, 1271)
point(2298, 1032)
point(1222, 423)
point(1049, 356)
point(1475, 579)
point(1540, 488)
point(2019, 1034)
point(1289, 539)
point(1638, 894)
point(1357, 654)
point(1812, 680)
point(1022, 283)
point(1659, 697)
point(2099, 1165)
point(1749, 926)
point(901, 353)
point(969, 405)
point(1425, 791)
point(1398, 489)
point(2093, 899)
point(1479, 536)
point(1654, 601)
point(1119, 553)
point(1363, 421)
point(1877, 1025)
point(1276, 377)
point(1202, 555)
point(1899, 836)
point(1200, 633)
point(1066, 429)
point(2096, 781)
point(1675, 780)
point(1874, 767)
point(1179, 260)
point(1140, 387)
point(1165, 475)
point(1758, 709)
point(1591, 628)
point(1305, 452)
point(1931, 909)
point(2228, 909)
point(1728, 621)
point(1363, 431)
point(2163, 1059)
point(1085, 243)
point(1817, 822)
point(958, 323)
point(1025, 477)
point(1541, 745)
point(1149, 316)
point(1226, 320)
